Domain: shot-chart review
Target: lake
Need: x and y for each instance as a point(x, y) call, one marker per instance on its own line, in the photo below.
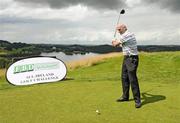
point(66, 58)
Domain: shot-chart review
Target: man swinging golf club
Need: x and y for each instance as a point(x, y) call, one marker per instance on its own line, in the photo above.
point(130, 64)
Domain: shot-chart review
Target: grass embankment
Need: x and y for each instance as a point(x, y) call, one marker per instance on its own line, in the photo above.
point(91, 61)
point(96, 87)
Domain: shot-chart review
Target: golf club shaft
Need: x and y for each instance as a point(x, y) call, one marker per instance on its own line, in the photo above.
point(116, 25)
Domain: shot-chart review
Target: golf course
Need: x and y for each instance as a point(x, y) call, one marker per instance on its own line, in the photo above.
point(89, 93)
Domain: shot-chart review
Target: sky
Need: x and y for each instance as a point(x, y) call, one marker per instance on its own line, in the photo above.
point(154, 22)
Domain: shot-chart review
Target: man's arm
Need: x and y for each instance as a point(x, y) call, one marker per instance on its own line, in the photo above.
point(116, 43)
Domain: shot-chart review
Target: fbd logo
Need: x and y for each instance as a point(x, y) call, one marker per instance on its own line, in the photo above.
point(23, 68)
point(35, 67)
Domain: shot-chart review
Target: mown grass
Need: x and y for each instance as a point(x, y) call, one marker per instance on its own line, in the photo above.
point(96, 87)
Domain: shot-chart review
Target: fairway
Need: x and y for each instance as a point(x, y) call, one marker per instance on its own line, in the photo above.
point(96, 87)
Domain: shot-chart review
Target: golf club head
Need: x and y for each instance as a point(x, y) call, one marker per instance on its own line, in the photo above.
point(122, 11)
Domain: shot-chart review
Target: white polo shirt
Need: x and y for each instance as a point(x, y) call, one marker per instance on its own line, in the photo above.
point(129, 44)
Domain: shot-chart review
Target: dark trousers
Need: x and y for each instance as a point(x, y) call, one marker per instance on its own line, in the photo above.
point(129, 77)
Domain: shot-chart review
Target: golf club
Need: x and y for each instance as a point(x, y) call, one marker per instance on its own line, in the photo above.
point(121, 12)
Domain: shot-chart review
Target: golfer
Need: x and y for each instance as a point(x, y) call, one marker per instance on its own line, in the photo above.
point(130, 64)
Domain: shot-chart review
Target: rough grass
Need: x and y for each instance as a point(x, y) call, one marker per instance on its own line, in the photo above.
point(91, 61)
point(96, 87)
point(2, 72)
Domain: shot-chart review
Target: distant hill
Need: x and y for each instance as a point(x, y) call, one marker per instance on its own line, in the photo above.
point(4, 44)
point(81, 49)
point(16, 50)
point(158, 48)
point(10, 46)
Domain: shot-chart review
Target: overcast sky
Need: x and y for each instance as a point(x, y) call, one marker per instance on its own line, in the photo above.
point(153, 22)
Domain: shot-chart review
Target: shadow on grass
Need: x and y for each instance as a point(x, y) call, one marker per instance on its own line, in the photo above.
point(150, 98)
